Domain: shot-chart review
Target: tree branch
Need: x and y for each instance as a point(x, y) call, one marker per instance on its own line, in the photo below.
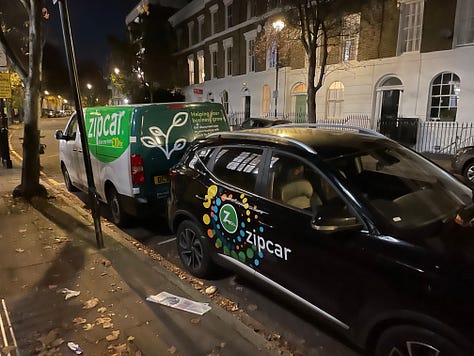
point(16, 62)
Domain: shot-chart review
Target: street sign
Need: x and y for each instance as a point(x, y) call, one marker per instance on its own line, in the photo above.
point(5, 88)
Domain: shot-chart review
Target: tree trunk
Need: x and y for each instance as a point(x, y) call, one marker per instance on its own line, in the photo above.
point(30, 186)
point(311, 93)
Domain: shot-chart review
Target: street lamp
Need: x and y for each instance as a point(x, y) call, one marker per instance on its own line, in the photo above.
point(278, 25)
point(116, 71)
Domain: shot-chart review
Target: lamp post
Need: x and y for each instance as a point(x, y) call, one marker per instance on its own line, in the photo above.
point(278, 25)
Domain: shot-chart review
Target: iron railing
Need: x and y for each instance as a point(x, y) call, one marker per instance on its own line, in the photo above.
point(423, 136)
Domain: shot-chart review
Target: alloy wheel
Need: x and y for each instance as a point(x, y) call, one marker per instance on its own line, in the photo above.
point(414, 348)
point(192, 253)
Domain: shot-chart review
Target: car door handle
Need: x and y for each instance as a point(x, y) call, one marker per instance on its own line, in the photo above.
point(74, 149)
point(200, 198)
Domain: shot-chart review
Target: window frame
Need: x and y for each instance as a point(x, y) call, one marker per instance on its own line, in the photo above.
point(337, 102)
point(214, 18)
point(228, 13)
point(464, 23)
point(453, 85)
point(228, 45)
point(350, 37)
point(405, 31)
point(250, 57)
point(213, 51)
point(201, 67)
point(191, 70)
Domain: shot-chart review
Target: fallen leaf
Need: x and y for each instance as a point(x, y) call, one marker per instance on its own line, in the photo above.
point(53, 286)
point(19, 250)
point(130, 338)
point(22, 231)
point(106, 263)
point(102, 310)
point(91, 303)
point(48, 338)
point(88, 326)
point(172, 350)
point(195, 321)
point(113, 336)
point(211, 290)
point(57, 342)
point(69, 293)
point(79, 320)
point(119, 349)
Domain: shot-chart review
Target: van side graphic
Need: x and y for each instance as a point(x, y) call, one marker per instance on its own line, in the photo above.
point(158, 135)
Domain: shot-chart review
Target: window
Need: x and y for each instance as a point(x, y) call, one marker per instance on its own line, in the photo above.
point(191, 69)
point(464, 30)
point(201, 74)
point(213, 10)
point(238, 166)
point(250, 39)
point(350, 37)
point(225, 101)
point(228, 43)
point(335, 98)
point(411, 23)
point(200, 25)
point(444, 98)
point(251, 9)
point(228, 13)
point(190, 33)
point(295, 183)
point(213, 51)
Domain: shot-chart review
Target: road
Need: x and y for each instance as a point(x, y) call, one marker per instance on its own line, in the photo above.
point(305, 337)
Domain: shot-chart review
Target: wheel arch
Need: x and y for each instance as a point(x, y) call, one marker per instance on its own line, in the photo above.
point(369, 336)
point(180, 216)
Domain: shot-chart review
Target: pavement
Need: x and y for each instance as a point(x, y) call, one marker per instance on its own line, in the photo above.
point(48, 253)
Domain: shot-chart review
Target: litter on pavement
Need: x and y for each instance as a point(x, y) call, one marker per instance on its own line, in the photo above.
point(181, 303)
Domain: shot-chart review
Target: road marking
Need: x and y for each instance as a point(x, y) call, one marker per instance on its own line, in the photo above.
point(166, 241)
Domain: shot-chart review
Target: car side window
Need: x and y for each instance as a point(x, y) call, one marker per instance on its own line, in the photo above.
point(295, 183)
point(238, 166)
point(71, 129)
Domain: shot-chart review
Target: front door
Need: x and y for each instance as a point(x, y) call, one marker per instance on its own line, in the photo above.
point(390, 102)
point(300, 108)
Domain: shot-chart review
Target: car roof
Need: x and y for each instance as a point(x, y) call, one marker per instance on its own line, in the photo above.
point(325, 140)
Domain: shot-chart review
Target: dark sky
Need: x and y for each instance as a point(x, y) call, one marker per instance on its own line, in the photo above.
point(92, 22)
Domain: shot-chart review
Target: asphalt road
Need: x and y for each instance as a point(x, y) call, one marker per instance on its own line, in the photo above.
point(305, 337)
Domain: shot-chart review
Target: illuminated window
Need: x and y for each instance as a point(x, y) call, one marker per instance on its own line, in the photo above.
point(335, 99)
point(444, 97)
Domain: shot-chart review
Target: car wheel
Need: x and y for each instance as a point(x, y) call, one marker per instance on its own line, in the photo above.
point(67, 180)
point(407, 340)
point(193, 250)
point(469, 171)
point(118, 216)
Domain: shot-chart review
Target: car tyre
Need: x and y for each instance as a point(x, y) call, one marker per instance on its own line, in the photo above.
point(408, 340)
point(469, 171)
point(67, 180)
point(193, 249)
point(117, 214)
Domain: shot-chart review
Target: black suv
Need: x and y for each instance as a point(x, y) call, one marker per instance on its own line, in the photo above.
point(364, 233)
point(463, 163)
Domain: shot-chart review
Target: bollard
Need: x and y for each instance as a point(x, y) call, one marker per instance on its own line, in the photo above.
point(5, 149)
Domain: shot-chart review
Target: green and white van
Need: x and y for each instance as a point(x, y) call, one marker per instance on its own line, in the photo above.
point(132, 148)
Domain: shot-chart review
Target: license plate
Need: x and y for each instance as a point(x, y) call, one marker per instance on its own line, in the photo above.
point(161, 179)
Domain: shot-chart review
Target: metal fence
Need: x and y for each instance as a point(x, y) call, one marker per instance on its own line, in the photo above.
point(423, 136)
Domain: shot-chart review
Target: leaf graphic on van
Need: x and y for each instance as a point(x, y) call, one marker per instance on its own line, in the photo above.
point(178, 145)
point(180, 119)
point(156, 131)
point(150, 142)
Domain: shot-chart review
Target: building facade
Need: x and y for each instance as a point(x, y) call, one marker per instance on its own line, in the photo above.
point(407, 59)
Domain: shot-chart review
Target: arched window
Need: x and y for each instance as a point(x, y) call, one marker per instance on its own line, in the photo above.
point(444, 97)
point(265, 99)
point(334, 101)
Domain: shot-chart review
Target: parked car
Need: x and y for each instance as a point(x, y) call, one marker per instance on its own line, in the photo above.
point(360, 231)
point(262, 122)
point(132, 149)
point(463, 163)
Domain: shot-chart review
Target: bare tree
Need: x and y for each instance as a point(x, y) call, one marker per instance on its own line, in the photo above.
point(30, 73)
point(317, 26)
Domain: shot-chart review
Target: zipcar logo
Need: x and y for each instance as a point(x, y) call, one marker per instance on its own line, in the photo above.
point(228, 218)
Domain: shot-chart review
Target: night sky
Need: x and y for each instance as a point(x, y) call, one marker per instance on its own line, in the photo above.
point(92, 22)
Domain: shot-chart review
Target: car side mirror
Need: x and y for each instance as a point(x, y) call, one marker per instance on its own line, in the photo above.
point(330, 225)
point(59, 135)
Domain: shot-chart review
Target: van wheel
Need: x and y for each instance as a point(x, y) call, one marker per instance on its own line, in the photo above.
point(193, 249)
point(67, 180)
point(117, 215)
point(407, 340)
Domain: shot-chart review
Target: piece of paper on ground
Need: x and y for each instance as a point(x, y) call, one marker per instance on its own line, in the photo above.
point(181, 303)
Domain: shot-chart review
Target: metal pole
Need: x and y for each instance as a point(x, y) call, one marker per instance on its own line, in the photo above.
point(73, 77)
point(276, 86)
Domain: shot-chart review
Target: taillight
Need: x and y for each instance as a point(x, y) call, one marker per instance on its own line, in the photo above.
point(138, 174)
point(172, 173)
